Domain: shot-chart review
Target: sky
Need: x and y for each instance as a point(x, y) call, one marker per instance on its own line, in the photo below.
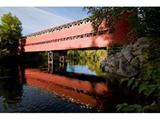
point(38, 18)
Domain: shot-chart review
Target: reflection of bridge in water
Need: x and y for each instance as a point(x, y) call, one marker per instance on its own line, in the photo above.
point(80, 91)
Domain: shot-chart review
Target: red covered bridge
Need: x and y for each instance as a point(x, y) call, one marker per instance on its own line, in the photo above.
point(75, 35)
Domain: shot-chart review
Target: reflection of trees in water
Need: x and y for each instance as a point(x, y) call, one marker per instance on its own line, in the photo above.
point(91, 58)
point(35, 59)
point(11, 82)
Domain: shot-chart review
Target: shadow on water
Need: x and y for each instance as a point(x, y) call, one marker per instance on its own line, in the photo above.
point(11, 84)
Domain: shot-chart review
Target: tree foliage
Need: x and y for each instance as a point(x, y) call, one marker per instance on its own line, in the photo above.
point(109, 14)
point(10, 33)
point(148, 21)
point(144, 19)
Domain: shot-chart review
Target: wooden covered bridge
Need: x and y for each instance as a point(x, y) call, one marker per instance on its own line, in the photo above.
point(75, 35)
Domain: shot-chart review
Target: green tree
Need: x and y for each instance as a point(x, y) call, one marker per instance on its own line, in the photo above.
point(10, 33)
point(145, 20)
point(148, 21)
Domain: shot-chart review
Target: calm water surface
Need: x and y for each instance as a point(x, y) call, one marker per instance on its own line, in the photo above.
point(78, 89)
point(37, 100)
point(76, 85)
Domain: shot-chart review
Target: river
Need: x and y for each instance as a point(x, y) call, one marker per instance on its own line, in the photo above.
point(77, 87)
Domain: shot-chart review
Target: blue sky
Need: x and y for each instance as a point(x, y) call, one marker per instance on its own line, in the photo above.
point(37, 18)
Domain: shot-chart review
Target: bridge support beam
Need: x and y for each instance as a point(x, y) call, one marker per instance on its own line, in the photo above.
point(50, 61)
point(56, 61)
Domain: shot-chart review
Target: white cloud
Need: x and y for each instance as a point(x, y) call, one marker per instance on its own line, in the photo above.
point(35, 19)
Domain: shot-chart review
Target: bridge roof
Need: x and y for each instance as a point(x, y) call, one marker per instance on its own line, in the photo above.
point(68, 25)
point(76, 35)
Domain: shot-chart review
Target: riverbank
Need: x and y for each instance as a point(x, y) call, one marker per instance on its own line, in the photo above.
point(137, 68)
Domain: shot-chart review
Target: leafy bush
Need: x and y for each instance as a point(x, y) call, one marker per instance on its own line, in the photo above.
point(146, 84)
